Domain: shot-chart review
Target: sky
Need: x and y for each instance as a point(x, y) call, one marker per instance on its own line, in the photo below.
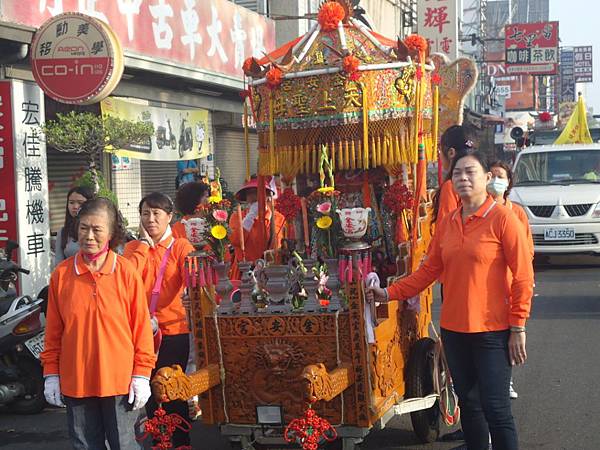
point(579, 23)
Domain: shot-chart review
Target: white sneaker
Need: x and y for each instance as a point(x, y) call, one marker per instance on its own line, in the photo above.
point(511, 391)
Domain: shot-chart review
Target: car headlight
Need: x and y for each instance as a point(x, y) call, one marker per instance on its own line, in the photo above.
point(596, 212)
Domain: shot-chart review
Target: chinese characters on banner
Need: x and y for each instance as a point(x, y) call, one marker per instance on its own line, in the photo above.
point(531, 48)
point(582, 57)
point(215, 35)
point(567, 76)
point(437, 21)
point(24, 181)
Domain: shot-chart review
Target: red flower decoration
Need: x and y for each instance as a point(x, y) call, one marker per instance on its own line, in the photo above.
point(330, 14)
point(545, 116)
point(419, 73)
point(355, 76)
point(309, 430)
point(274, 77)
point(247, 66)
point(288, 204)
point(245, 94)
point(416, 42)
point(350, 64)
point(436, 79)
point(397, 198)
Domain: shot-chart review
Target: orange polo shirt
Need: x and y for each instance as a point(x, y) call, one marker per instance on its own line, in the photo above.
point(474, 259)
point(178, 229)
point(522, 216)
point(98, 330)
point(170, 311)
point(449, 200)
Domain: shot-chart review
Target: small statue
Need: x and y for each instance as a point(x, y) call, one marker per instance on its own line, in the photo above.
point(258, 281)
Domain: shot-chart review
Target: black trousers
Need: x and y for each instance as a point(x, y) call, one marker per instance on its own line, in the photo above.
point(173, 350)
point(480, 368)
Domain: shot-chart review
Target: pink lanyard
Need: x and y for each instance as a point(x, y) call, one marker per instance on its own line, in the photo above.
point(158, 283)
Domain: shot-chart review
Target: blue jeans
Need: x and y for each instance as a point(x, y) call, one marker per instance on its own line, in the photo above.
point(481, 371)
point(93, 421)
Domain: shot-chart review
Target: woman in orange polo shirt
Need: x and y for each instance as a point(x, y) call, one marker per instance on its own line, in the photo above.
point(454, 142)
point(483, 315)
point(98, 345)
point(156, 245)
point(189, 196)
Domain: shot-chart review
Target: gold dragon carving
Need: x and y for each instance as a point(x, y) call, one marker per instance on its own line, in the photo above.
point(171, 383)
point(323, 385)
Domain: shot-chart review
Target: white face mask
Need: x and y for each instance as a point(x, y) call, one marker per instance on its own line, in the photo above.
point(497, 186)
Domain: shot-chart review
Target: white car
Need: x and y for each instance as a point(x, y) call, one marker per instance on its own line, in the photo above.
point(559, 188)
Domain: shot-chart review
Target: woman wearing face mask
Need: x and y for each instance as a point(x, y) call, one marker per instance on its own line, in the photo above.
point(98, 346)
point(157, 255)
point(474, 248)
point(499, 187)
point(66, 239)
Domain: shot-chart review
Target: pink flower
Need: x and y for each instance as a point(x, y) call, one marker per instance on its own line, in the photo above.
point(324, 208)
point(220, 215)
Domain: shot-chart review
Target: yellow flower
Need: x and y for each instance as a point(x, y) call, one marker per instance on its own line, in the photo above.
point(326, 189)
point(218, 232)
point(214, 199)
point(324, 222)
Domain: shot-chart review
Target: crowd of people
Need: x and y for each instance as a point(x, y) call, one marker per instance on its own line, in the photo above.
point(116, 315)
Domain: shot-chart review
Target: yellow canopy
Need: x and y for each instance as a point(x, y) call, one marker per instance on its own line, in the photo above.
point(576, 131)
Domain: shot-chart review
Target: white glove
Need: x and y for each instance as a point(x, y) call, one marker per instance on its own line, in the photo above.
point(139, 391)
point(52, 390)
point(250, 217)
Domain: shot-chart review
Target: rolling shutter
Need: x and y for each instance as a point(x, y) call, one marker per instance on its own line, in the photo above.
point(230, 156)
point(159, 176)
point(63, 170)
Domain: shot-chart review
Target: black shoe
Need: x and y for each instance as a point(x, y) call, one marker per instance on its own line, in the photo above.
point(457, 435)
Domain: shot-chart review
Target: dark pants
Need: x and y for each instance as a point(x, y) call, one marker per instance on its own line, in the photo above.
point(481, 370)
point(94, 420)
point(173, 350)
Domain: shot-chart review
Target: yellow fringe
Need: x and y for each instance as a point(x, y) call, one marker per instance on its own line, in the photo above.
point(352, 155)
point(365, 112)
point(271, 134)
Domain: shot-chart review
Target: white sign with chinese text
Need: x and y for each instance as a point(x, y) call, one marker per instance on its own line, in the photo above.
point(31, 175)
point(437, 22)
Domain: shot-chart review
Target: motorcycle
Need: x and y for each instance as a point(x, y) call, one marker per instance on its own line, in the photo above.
point(163, 138)
point(185, 138)
point(21, 341)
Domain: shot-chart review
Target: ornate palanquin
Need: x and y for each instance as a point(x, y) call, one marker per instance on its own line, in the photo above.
point(368, 102)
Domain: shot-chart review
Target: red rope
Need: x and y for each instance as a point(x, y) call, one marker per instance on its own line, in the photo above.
point(309, 430)
point(161, 428)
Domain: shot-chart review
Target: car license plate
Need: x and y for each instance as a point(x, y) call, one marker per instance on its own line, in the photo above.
point(36, 345)
point(559, 234)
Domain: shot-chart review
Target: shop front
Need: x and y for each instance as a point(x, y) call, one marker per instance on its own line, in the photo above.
point(182, 66)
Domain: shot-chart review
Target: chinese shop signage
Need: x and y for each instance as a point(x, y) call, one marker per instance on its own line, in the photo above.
point(582, 64)
point(438, 23)
point(23, 181)
point(567, 76)
point(531, 48)
point(76, 59)
point(215, 36)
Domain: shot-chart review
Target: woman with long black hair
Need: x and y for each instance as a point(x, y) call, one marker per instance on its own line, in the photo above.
point(66, 238)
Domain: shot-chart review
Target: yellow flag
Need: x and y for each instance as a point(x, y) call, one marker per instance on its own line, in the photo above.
point(576, 131)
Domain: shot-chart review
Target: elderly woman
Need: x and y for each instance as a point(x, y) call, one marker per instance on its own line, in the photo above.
point(475, 248)
point(160, 260)
point(98, 346)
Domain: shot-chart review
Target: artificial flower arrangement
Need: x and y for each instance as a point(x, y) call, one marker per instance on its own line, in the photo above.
point(321, 274)
point(216, 215)
point(323, 205)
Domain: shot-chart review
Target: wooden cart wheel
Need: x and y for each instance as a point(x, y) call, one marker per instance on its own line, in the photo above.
point(419, 383)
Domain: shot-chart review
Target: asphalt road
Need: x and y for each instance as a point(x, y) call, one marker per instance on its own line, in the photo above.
point(559, 400)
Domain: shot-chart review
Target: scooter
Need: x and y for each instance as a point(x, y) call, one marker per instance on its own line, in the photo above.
point(185, 138)
point(21, 342)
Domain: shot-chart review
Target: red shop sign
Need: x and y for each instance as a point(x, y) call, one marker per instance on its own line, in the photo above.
point(215, 36)
point(8, 210)
point(76, 59)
